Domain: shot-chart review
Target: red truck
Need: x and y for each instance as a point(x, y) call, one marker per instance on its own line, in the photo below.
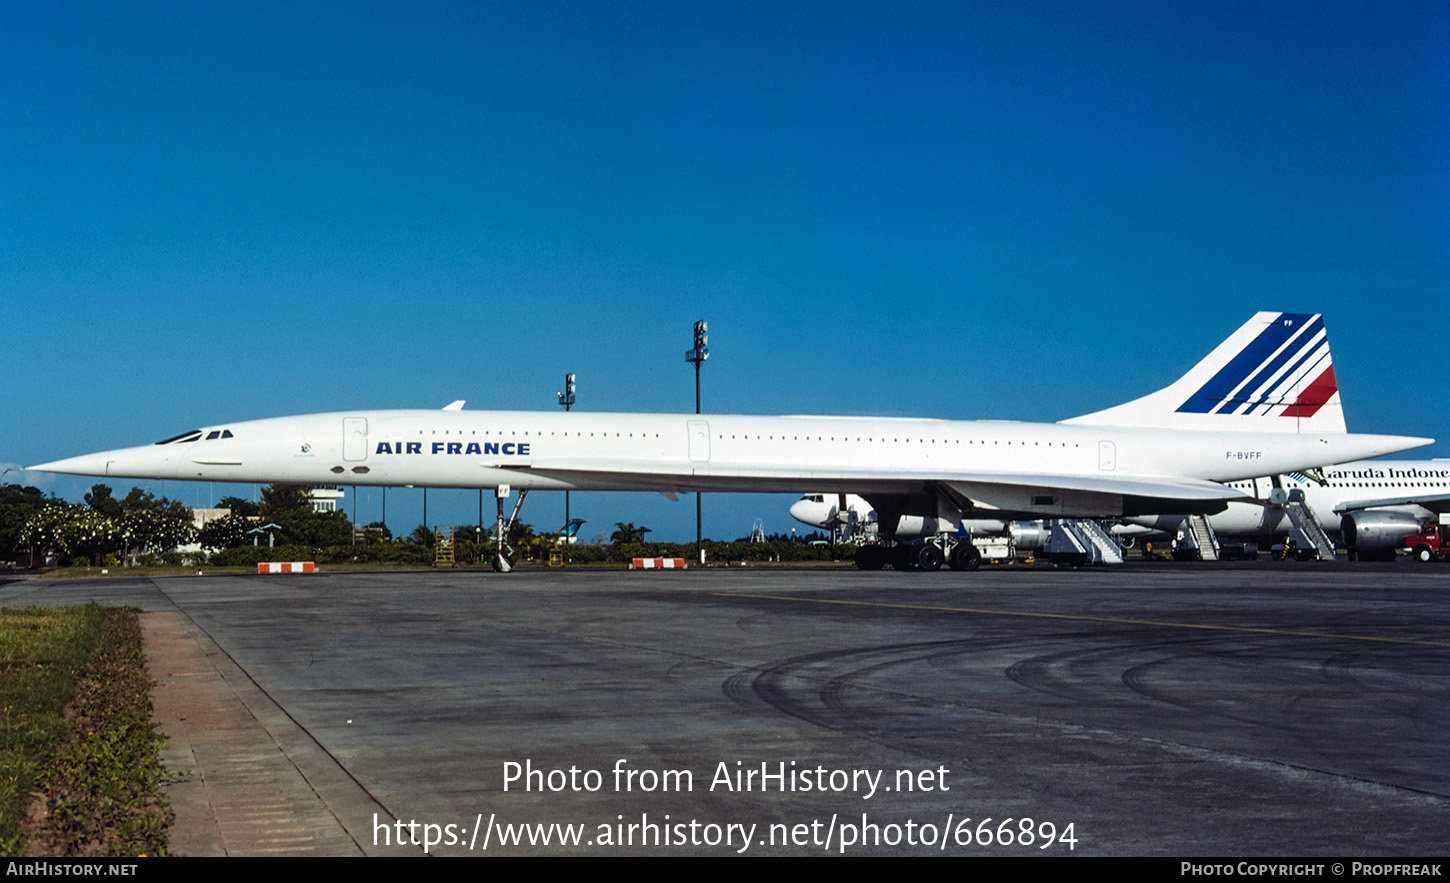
point(1432, 543)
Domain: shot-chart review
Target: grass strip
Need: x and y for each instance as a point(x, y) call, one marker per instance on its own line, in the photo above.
point(41, 651)
point(80, 765)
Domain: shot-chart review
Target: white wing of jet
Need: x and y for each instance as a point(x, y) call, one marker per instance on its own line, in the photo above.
point(1437, 504)
point(1006, 488)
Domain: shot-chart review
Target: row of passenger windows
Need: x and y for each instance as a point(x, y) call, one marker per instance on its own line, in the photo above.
point(873, 439)
point(722, 436)
point(1377, 484)
point(513, 433)
point(1245, 485)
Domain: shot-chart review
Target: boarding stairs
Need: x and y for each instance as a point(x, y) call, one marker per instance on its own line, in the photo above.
point(1308, 533)
point(1201, 532)
point(1081, 539)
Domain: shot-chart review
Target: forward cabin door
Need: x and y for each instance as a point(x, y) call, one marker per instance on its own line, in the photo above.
point(354, 438)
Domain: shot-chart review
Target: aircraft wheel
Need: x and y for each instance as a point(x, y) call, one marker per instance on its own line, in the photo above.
point(870, 558)
point(965, 557)
point(1423, 554)
point(929, 557)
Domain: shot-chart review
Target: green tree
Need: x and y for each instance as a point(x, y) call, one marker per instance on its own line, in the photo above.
point(158, 528)
point(284, 498)
point(86, 534)
point(72, 531)
point(238, 506)
point(139, 500)
point(627, 533)
point(100, 500)
point(227, 532)
point(17, 506)
point(317, 529)
point(520, 534)
point(42, 530)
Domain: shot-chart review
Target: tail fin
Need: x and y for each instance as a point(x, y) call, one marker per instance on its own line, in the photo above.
point(1274, 374)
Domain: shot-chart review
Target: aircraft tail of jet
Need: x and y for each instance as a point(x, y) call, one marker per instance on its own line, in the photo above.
point(1274, 374)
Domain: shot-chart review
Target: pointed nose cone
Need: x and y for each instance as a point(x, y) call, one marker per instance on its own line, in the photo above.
point(87, 464)
point(149, 461)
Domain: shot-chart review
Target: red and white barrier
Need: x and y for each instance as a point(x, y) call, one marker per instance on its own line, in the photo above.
point(657, 564)
point(286, 567)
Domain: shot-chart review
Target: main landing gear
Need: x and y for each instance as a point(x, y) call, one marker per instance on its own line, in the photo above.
point(926, 555)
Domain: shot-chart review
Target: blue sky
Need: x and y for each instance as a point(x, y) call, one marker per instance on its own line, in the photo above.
point(1029, 210)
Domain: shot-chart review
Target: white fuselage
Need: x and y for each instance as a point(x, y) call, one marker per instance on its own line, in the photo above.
point(1028, 468)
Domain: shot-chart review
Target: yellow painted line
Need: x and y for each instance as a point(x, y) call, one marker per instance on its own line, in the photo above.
point(1107, 619)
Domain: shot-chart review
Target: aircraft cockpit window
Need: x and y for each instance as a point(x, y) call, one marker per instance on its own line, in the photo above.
point(226, 433)
point(188, 436)
point(215, 433)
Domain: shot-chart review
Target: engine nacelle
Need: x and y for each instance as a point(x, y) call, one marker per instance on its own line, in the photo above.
point(1030, 536)
point(914, 527)
point(1371, 531)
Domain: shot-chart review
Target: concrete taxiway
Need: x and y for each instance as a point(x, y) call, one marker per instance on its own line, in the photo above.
point(1261, 709)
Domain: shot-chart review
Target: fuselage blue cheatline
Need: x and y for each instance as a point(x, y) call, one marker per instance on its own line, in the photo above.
point(1264, 401)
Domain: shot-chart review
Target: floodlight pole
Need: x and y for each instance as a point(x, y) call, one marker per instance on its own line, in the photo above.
point(698, 355)
point(566, 400)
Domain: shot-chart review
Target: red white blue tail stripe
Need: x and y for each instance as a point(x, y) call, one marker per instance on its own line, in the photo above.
point(1285, 371)
point(1275, 365)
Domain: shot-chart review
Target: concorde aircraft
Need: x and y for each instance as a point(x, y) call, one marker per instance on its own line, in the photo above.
point(1264, 401)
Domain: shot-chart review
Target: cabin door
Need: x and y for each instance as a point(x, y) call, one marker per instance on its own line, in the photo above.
point(354, 438)
point(699, 441)
point(1107, 456)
